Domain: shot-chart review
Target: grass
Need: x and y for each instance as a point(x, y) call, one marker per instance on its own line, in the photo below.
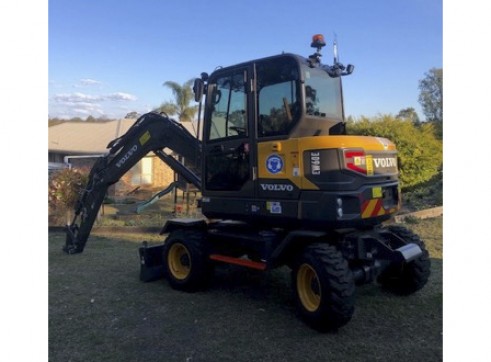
point(100, 311)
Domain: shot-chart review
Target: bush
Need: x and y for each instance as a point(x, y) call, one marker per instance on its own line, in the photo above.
point(425, 195)
point(64, 189)
point(420, 153)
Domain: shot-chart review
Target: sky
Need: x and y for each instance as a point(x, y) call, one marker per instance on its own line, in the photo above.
point(109, 58)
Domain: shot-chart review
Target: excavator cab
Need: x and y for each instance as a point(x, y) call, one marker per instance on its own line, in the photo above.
point(275, 147)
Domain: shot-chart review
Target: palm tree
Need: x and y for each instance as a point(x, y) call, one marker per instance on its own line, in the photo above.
point(183, 95)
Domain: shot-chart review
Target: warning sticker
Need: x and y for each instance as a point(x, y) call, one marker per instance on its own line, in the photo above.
point(377, 192)
point(274, 164)
point(274, 207)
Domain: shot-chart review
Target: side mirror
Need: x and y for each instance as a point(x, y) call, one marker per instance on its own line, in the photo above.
point(198, 89)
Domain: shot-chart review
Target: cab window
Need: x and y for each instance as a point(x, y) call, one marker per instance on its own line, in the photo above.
point(228, 108)
point(277, 92)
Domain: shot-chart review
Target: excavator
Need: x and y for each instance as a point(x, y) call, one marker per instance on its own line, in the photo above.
point(281, 183)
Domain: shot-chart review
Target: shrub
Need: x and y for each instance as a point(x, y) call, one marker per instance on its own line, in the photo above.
point(64, 189)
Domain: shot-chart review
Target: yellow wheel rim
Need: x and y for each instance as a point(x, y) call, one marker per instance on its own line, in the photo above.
point(308, 288)
point(179, 261)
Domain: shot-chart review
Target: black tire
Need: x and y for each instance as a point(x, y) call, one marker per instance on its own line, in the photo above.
point(324, 287)
point(409, 277)
point(187, 266)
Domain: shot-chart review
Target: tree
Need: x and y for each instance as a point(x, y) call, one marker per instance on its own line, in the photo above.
point(55, 121)
point(431, 95)
point(183, 95)
point(409, 113)
point(132, 115)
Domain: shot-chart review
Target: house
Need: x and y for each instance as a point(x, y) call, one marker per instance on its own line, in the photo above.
point(78, 145)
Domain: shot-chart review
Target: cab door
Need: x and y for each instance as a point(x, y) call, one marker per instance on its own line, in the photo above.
point(227, 140)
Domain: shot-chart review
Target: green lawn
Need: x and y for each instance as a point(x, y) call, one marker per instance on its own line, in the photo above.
point(100, 311)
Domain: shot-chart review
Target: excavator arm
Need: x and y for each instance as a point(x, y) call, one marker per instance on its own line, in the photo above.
point(152, 132)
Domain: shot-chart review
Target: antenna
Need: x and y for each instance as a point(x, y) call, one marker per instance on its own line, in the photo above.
point(335, 49)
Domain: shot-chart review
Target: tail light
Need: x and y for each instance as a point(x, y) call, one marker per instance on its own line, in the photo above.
point(358, 161)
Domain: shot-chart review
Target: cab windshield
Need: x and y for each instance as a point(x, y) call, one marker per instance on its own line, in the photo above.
point(322, 94)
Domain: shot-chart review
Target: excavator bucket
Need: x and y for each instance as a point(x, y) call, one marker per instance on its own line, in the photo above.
point(72, 246)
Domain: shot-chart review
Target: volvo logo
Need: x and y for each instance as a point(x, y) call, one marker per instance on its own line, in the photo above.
point(385, 162)
point(276, 187)
point(128, 154)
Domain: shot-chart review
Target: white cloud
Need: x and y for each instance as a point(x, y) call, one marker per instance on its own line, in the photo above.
point(88, 111)
point(76, 98)
point(79, 104)
point(89, 82)
point(119, 96)
point(81, 97)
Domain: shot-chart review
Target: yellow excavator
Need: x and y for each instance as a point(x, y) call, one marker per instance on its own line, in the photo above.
point(281, 184)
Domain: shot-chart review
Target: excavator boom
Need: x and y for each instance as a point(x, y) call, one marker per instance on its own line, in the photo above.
point(152, 132)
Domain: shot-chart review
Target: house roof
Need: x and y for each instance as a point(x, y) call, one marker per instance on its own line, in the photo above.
point(90, 137)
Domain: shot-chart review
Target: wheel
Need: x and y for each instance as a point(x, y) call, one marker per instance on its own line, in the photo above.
point(187, 266)
point(409, 277)
point(323, 287)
